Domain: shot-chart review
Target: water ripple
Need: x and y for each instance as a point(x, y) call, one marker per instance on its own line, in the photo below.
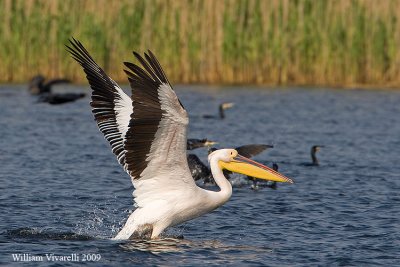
point(62, 190)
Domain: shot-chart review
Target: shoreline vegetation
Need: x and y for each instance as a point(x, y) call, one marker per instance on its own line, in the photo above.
point(343, 43)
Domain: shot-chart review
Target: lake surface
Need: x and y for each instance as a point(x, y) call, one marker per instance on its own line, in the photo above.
point(63, 192)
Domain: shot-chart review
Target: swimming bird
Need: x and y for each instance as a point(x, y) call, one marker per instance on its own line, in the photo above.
point(38, 84)
point(197, 143)
point(60, 98)
point(148, 134)
point(221, 111)
point(314, 150)
point(198, 169)
point(273, 184)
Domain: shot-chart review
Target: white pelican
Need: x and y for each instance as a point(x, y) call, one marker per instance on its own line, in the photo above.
point(147, 133)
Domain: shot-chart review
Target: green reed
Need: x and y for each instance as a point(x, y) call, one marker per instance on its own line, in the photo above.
point(289, 42)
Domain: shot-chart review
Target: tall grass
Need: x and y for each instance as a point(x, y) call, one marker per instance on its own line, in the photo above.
point(284, 42)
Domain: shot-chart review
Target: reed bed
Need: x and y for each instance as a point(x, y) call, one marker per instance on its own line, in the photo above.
point(276, 42)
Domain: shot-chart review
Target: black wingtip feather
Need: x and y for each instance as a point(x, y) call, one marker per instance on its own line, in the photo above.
point(103, 96)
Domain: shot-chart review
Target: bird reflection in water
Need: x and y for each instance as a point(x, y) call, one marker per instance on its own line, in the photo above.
point(170, 244)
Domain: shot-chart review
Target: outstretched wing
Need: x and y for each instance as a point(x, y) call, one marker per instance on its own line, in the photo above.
point(147, 132)
point(111, 107)
point(156, 138)
point(252, 150)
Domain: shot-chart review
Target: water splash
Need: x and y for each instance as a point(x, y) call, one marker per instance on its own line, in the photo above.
point(102, 220)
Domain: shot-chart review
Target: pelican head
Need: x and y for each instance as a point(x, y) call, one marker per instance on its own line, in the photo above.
point(230, 160)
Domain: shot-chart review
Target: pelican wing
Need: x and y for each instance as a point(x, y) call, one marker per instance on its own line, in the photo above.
point(147, 132)
point(111, 107)
point(156, 139)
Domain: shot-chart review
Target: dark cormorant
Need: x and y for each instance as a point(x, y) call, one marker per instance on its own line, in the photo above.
point(221, 110)
point(56, 99)
point(197, 143)
point(314, 150)
point(198, 169)
point(38, 85)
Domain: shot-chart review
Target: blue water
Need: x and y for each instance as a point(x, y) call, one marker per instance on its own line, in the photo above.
point(63, 192)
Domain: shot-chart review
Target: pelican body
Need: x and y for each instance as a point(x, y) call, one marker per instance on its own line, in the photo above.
point(147, 134)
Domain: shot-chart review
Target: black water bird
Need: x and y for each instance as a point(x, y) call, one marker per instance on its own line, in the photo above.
point(58, 98)
point(38, 84)
point(221, 111)
point(197, 143)
point(198, 169)
point(314, 150)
